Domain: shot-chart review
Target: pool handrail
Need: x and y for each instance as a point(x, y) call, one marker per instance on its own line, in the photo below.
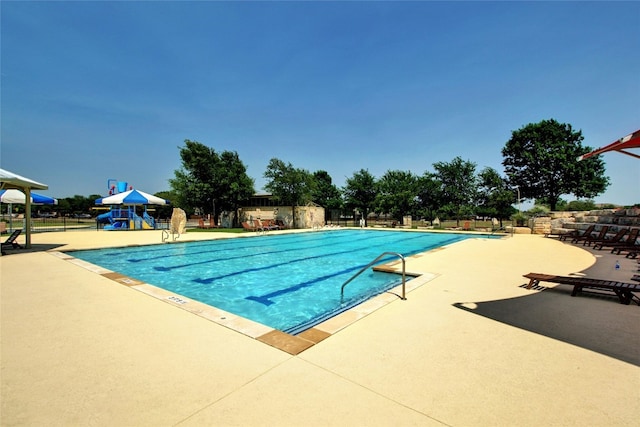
point(403, 297)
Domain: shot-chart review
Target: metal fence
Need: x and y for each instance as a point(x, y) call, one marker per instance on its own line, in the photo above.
point(41, 225)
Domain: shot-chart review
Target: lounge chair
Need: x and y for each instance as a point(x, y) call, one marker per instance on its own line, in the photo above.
point(629, 245)
point(576, 233)
point(269, 224)
point(615, 240)
point(602, 235)
point(624, 291)
point(281, 225)
point(11, 241)
point(201, 224)
point(249, 227)
point(632, 250)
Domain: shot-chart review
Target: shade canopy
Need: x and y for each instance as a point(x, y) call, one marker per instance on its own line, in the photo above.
point(13, 195)
point(12, 180)
point(9, 180)
point(630, 141)
point(132, 197)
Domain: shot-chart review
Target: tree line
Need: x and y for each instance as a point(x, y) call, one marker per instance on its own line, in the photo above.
point(540, 163)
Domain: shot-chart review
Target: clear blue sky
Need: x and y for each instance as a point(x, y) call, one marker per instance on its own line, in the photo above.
point(93, 91)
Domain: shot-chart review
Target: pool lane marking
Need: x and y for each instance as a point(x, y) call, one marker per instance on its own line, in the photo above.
point(240, 256)
point(209, 280)
point(226, 242)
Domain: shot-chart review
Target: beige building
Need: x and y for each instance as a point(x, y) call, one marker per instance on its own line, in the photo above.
point(262, 206)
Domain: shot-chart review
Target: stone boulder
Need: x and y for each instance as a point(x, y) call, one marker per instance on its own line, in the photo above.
point(178, 221)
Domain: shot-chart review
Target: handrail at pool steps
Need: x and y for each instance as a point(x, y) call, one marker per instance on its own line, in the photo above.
point(362, 270)
point(165, 235)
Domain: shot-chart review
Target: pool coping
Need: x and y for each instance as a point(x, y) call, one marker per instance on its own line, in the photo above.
point(292, 344)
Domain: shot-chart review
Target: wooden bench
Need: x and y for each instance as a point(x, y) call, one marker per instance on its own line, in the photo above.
point(624, 291)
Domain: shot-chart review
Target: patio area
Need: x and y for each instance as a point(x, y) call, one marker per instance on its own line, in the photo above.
point(472, 347)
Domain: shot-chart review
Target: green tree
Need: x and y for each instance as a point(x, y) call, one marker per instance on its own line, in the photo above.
point(429, 189)
point(76, 204)
point(326, 194)
point(580, 205)
point(288, 185)
point(360, 192)
point(397, 193)
point(458, 187)
point(541, 159)
point(209, 181)
point(495, 198)
point(233, 183)
point(165, 211)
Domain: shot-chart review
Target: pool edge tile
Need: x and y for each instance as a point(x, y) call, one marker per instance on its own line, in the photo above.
point(292, 344)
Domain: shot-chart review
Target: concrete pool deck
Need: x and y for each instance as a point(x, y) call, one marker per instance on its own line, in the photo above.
point(472, 347)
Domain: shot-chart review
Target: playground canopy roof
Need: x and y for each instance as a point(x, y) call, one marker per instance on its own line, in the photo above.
point(132, 197)
point(630, 141)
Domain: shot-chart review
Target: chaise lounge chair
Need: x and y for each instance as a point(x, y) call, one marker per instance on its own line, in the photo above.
point(211, 224)
point(576, 233)
point(615, 240)
point(11, 241)
point(629, 245)
point(250, 226)
point(632, 250)
point(588, 238)
point(624, 291)
point(270, 224)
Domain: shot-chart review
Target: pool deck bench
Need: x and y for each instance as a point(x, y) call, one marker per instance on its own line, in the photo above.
point(624, 291)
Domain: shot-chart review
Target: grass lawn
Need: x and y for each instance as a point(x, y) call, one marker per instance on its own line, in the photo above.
point(215, 230)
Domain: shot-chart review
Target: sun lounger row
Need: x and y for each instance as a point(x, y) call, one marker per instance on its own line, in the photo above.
point(624, 291)
point(576, 234)
point(202, 224)
point(258, 225)
point(618, 243)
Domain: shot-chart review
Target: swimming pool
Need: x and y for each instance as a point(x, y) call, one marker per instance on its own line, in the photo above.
point(289, 282)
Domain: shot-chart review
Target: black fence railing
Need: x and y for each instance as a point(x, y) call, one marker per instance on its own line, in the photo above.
point(61, 224)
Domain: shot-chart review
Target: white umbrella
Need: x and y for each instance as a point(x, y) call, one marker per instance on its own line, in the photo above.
point(13, 195)
point(132, 197)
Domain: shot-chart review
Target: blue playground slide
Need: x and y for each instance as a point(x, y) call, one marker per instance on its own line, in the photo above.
point(123, 219)
point(104, 218)
point(116, 219)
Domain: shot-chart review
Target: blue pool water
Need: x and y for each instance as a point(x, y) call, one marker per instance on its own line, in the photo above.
point(286, 281)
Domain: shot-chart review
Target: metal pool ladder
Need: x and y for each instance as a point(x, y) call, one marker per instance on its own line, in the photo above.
point(362, 270)
point(165, 235)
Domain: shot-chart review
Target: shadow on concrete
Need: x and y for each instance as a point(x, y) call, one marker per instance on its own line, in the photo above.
point(33, 248)
point(592, 321)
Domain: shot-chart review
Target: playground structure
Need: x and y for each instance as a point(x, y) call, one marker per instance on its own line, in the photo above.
point(123, 201)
